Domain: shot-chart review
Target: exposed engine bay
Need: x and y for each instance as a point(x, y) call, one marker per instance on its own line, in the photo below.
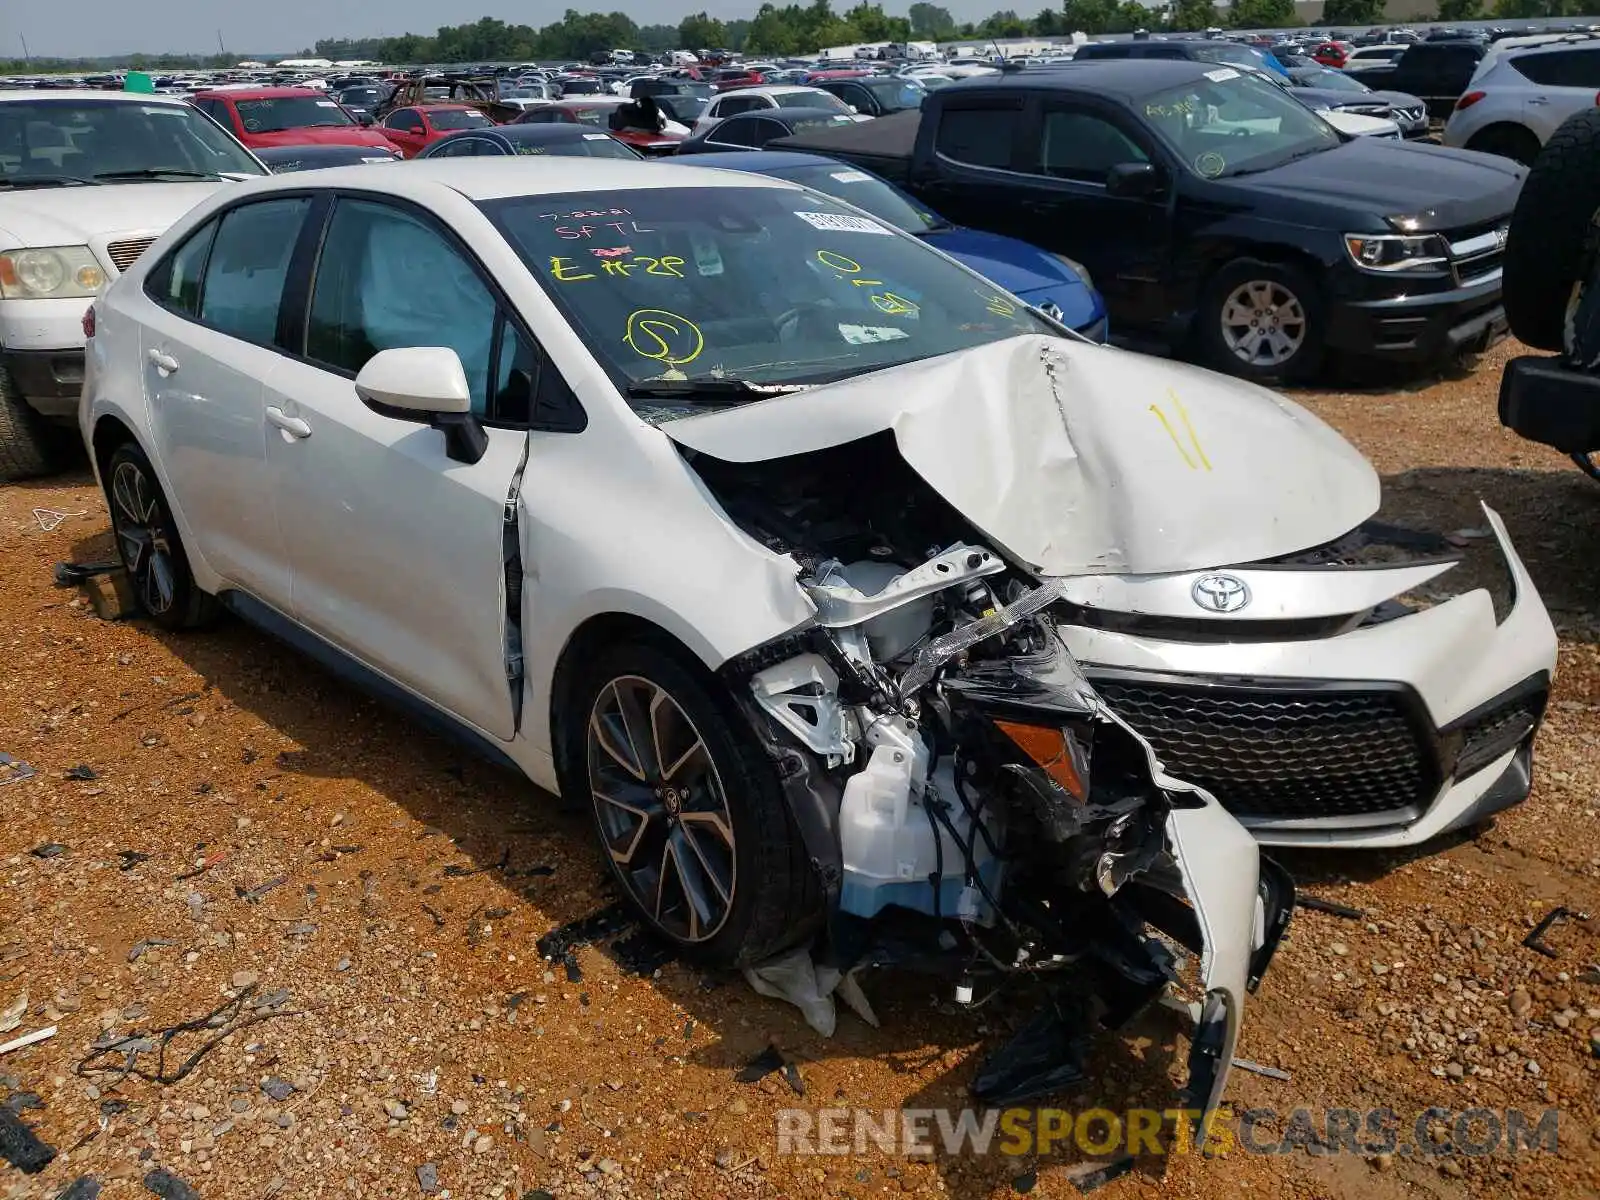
point(971, 807)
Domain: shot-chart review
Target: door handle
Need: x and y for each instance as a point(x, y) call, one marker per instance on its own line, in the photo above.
point(163, 362)
point(1538, 100)
point(293, 426)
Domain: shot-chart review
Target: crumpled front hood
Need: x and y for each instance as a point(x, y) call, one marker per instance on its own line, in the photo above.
point(75, 216)
point(1077, 459)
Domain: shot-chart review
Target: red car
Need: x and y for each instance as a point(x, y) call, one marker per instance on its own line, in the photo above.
point(265, 117)
point(413, 129)
point(1332, 54)
point(599, 111)
point(729, 78)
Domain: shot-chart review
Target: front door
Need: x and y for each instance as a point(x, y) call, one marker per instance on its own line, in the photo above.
point(406, 130)
point(1066, 207)
point(398, 551)
point(206, 343)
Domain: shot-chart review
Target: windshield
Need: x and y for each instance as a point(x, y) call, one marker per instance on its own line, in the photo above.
point(1229, 52)
point(290, 112)
point(583, 145)
point(457, 118)
point(895, 95)
point(1322, 77)
point(81, 140)
point(361, 97)
point(884, 201)
point(1231, 123)
point(764, 284)
point(685, 110)
point(815, 98)
point(592, 116)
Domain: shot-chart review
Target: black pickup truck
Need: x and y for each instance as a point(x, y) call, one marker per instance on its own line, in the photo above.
point(1216, 214)
point(1437, 71)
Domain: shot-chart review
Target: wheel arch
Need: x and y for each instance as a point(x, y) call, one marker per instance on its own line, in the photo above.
point(1511, 130)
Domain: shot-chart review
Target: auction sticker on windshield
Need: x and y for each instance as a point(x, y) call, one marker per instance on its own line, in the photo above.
point(842, 223)
point(1222, 75)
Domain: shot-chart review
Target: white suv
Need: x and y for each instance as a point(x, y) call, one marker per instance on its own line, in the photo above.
point(1515, 103)
point(88, 180)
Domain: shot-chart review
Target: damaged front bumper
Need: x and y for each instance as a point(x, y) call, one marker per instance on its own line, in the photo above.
point(984, 817)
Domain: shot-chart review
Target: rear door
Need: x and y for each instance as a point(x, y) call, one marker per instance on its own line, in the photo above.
point(977, 145)
point(208, 345)
point(1559, 83)
point(398, 551)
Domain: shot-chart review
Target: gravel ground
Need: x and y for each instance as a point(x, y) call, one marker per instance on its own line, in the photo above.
point(238, 829)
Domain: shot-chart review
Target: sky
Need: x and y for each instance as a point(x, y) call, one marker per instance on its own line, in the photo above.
point(93, 28)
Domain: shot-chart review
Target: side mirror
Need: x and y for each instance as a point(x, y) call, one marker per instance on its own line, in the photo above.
point(853, 108)
point(364, 119)
point(1133, 180)
point(425, 383)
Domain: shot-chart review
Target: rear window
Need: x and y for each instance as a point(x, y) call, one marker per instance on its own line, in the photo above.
point(290, 112)
point(458, 118)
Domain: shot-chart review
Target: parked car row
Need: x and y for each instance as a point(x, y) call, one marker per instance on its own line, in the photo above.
point(987, 640)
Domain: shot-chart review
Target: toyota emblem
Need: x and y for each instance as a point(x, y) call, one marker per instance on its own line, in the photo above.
point(1220, 593)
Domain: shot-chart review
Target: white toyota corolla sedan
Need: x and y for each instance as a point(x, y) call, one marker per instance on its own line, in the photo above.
point(712, 503)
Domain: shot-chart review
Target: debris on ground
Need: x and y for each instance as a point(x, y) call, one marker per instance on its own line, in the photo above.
point(13, 770)
point(49, 850)
point(20, 1147)
point(1089, 1179)
point(85, 1187)
point(28, 1039)
point(228, 1019)
point(1536, 937)
point(168, 1186)
point(11, 1015)
point(1316, 904)
point(1255, 1068)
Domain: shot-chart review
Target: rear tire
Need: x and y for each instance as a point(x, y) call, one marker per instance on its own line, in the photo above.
point(28, 446)
point(1508, 141)
point(687, 807)
point(149, 545)
point(1549, 249)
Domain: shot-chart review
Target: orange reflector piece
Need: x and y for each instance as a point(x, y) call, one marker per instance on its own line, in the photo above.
point(8, 271)
point(1048, 748)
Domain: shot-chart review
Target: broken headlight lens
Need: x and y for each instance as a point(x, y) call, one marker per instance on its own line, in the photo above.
point(1057, 751)
point(1396, 252)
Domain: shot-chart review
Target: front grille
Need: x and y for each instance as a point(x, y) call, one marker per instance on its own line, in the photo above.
point(1366, 110)
point(1476, 254)
point(1284, 754)
point(123, 254)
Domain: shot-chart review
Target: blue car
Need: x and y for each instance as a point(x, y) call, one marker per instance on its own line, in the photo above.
point(1050, 282)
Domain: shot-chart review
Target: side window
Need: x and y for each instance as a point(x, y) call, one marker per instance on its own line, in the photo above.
point(413, 122)
point(1565, 68)
point(385, 280)
point(981, 137)
point(248, 266)
point(457, 148)
point(740, 131)
point(175, 283)
point(735, 105)
point(527, 386)
point(766, 130)
point(1080, 145)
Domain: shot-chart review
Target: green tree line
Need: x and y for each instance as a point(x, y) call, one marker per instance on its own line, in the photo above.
point(807, 28)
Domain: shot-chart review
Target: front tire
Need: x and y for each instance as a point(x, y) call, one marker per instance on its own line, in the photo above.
point(28, 446)
point(1507, 141)
point(1262, 321)
point(687, 807)
point(148, 543)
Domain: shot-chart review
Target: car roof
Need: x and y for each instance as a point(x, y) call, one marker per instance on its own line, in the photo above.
point(261, 93)
point(534, 131)
point(1120, 78)
point(768, 162)
point(500, 178)
point(768, 89)
point(780, 115)
point(1515, 53)
point(79, 95)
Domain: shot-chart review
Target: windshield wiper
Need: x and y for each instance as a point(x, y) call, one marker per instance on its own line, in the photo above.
point(156, 173)
point(1282, 162)
point(714, 386)
point(46, 181)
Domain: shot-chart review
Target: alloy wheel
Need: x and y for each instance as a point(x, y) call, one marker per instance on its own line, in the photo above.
point(661, 808)
point(1263, 323)
point(141, 535)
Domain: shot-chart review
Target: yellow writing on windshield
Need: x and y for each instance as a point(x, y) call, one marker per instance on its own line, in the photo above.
point(567, 271)
point(663, 336)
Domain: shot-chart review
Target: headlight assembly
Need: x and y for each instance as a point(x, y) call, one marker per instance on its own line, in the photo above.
point(1396, 251)
point(1076, 266)
point(49, 273)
